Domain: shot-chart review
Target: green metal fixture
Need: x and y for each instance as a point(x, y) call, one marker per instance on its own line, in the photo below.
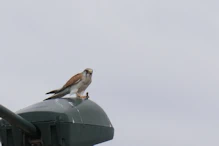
point(56, 122)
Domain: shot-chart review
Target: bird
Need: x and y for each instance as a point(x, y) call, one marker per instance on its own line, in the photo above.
point(77, 84)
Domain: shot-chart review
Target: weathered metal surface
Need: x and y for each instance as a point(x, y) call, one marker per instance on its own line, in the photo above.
point(17, 121)
point(61, 122)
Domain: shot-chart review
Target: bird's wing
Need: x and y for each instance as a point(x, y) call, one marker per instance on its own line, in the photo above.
point(73, 80)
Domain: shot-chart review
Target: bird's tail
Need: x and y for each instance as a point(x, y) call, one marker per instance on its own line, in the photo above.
point(53, 91)
point(58, 95)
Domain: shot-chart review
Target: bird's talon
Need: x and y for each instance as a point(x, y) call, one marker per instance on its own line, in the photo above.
point(83, 97)
point(87, 96)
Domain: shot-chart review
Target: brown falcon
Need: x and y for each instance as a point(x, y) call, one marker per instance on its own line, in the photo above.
point(75, 85)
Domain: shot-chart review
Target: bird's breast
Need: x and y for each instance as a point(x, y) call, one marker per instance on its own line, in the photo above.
point(86, 80)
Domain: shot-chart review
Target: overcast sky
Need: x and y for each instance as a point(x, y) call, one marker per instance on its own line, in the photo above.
point(155, 63)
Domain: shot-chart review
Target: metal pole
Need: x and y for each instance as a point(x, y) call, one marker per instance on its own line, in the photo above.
point(18, 121)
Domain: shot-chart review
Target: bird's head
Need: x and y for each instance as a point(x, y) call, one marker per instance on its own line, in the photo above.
point(88, 72)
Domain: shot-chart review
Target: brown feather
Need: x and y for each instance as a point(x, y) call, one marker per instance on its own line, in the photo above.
point(73, 80)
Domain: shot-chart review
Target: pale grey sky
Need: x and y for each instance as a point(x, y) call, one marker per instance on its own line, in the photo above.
point(155, 63)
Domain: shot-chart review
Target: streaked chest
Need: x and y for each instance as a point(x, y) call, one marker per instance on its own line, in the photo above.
point(86, 80)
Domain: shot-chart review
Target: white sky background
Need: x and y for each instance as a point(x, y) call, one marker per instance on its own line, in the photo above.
point(155, 63)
